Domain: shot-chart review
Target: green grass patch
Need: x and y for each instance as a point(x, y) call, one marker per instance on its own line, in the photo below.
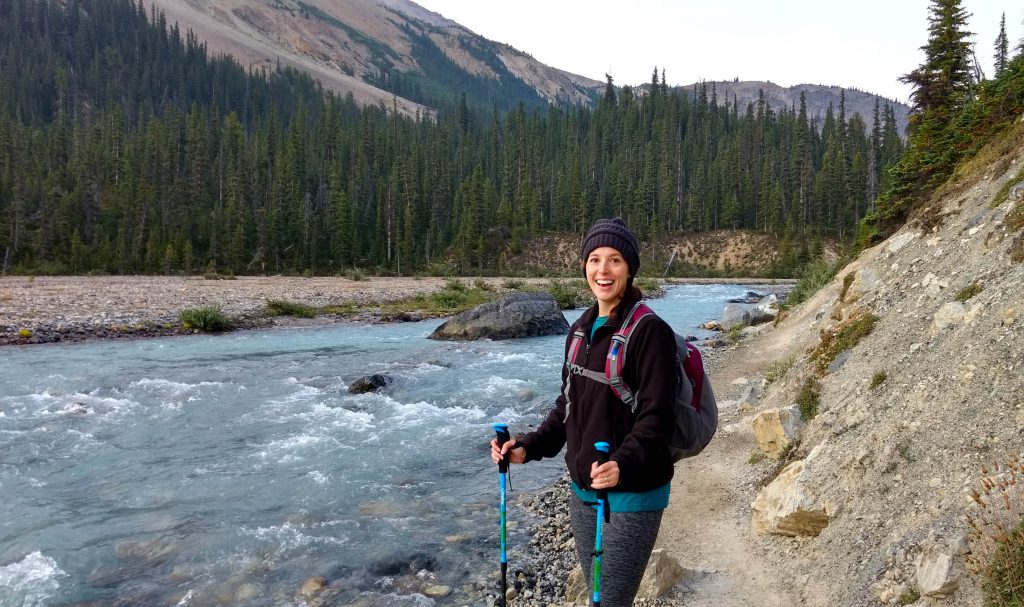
point(756, 458)
point(208, 319)
point(878, 379)
point(455, 297)
point(809, 398)
point(910, 597)
point(778, 369)
point(841, 338)
point(280, 307)
point(969, 291)
point(513, 284)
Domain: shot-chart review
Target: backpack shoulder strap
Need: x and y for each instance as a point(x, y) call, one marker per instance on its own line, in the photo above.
point(616, 360)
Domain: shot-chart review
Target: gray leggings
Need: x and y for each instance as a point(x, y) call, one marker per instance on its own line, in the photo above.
point(627, 542)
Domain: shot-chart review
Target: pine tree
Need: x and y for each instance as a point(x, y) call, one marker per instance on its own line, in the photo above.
point(1001, 48)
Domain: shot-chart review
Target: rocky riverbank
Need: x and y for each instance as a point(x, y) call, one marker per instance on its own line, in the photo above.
point(49, 309)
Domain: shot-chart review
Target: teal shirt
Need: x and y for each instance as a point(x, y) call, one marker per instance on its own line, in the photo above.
point(628, 501)
point(625, 501)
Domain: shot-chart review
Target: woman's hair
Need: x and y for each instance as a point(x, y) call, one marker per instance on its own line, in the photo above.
point(631, 293)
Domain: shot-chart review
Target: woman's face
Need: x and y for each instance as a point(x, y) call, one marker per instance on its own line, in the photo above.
point(607, 274)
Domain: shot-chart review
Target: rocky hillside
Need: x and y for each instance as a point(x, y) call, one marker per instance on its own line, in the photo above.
point(739, 252)
point(378, 50)
point(908, 368)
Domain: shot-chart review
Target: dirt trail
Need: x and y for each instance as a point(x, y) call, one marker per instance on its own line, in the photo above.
point(707, 524)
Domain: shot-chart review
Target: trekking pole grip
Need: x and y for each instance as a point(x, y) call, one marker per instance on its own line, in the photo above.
point(501, 430)
point(603, 450)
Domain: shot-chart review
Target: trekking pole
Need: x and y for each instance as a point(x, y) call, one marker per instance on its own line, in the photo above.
point(603, 516)
point(503, 437)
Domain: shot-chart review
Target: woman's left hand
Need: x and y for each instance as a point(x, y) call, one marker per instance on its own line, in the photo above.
point(604, 476)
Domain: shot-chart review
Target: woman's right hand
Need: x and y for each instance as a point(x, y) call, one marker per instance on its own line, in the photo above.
point(516, 455)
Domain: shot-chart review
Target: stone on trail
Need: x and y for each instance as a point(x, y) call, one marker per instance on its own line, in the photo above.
point(776, 430)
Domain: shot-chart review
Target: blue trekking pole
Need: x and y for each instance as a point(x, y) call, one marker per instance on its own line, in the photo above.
point(603, 515)
point(503, 437)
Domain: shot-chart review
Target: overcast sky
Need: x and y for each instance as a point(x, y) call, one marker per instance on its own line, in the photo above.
point(863, 44)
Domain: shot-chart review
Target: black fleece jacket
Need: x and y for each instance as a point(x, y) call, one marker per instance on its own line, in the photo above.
point(639, 441)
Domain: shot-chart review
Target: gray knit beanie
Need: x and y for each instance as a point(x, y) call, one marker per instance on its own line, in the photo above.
point(616, 234)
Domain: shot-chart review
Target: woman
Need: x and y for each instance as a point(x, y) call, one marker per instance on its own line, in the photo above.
point(637, 475)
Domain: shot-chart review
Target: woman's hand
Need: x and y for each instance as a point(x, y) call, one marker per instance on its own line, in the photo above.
point(604, 476)
point(516, 455)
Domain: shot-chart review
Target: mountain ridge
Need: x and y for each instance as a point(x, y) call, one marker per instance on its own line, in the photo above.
point(369, 49)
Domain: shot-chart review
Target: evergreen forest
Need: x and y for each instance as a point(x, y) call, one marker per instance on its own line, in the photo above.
point(126, 147)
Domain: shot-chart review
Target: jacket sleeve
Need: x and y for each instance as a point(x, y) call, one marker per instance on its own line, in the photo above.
point(549, 438)
point(651, 372)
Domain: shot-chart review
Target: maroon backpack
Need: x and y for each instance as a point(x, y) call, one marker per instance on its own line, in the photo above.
point(696, 412)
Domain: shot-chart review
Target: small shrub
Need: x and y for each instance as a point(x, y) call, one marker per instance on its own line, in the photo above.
point(567, 294)
point(208, 319)
point(878, 379)
point(482, 284)
point(651, 287)
point(218, 276)
point(24, 333)
point(1004, 192)
point(279, 307)
point(811, 279)
point(733, 333)
point(847, 281)
point(778, 369)
point(1015, 218)
point(756, 458)
point(841, 338)
point(513, 284)
point(1017, 249)
point(809, 398)
point(355, 274)
point(996, 533)
point(969, 291)
point(910, 597)
point(454, 284)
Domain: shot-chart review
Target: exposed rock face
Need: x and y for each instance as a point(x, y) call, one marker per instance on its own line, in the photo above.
point(516, 315)
point(790, 505)
point(776, 430)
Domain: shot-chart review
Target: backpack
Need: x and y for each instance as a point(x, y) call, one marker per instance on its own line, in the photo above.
point(696, 412)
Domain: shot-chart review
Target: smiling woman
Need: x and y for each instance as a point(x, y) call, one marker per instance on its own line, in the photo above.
point(617, 455)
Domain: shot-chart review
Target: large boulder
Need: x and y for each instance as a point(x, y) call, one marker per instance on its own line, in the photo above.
point(735, 315)
point(516, 315)
point(791, 504)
